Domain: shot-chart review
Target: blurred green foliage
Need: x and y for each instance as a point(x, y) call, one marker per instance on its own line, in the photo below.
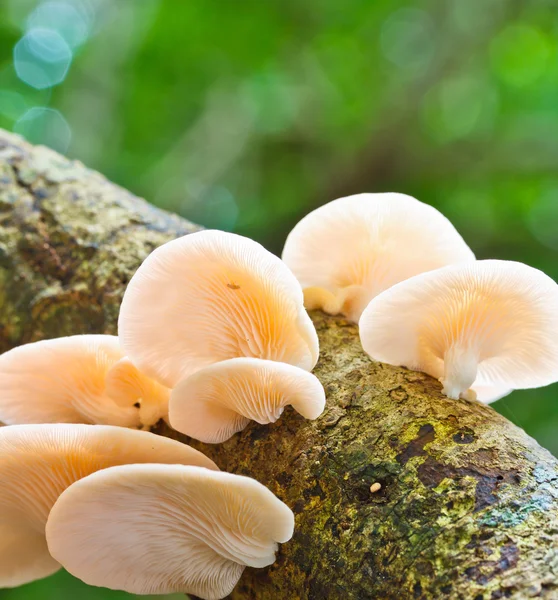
point(63, 586)
point(246, 115)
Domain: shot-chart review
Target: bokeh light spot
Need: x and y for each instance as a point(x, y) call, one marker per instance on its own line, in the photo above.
point(459, 107)
point(63, 18)
point(42, 58)
point(475, 17)
point(407, 38)
point(273, 101)
point(520, 54)
point(41, 125)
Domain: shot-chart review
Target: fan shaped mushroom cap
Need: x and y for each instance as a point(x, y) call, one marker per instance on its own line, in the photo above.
point(220, 400)
point(489, 393)
point(491, 323)
point(210, 296)
point(128, 387)
point(38, 462)
point(62, 381)
point(349, 250)
point(160, 529)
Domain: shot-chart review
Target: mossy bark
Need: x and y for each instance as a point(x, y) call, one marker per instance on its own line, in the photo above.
point(468, 505)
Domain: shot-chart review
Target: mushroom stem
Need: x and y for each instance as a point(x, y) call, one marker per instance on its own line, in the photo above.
point(320, 298)
point(460, 372)
point(349, 301)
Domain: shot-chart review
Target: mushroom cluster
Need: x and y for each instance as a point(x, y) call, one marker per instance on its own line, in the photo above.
point(350, 250)
point(241, 344)
point(213, 333)
point(77, 495)
point(400, 269)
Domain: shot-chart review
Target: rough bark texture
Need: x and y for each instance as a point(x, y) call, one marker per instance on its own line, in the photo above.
point(468, 507)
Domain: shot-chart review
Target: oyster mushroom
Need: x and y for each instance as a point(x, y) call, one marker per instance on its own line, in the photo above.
point(349, 250)
point(77, 379)
point(128, 387)
point(490, 325)
point(38, 462)
point(220, 400)
point(161, 529)
point(210, 296)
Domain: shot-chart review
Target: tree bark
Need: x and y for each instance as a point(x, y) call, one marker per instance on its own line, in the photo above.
point(468, 505)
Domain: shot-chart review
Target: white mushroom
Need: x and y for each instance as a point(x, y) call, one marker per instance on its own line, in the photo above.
point(210, 296)
point(491, 325)
point(62, 381)
point(218, 401)
point(38, 462)
point(162, 529)
point(348, 251)
point(128, 387)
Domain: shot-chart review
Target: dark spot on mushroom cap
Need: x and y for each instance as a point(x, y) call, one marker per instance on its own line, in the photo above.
point(233, 286)
point(137, 405)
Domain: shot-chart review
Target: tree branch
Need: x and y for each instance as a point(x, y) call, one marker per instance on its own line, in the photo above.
point(468, 507)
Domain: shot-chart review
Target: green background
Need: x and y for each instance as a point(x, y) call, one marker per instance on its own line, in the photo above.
point(245, 115)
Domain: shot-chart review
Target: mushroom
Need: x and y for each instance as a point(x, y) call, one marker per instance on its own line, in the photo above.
point(490, 325)
point(210, 296)
point(77, 379)
point(62, 381)
point(349, 250)
point(489, 393)
point(220, 400)
point(162, 529)
point(38, 462)
point(128, 387)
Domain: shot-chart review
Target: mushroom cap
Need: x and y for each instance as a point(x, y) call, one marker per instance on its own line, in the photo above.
point(210, 296)
point(490, 393)
point(220, 400)
point(501, 315)
point(128, 387)
point(62, 381)
point(353, 248)
point(38, 462)
point(161, 529)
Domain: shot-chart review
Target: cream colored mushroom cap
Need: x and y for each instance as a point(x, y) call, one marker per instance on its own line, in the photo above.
point(491, 322)
point(128, 387)
point(38, 462)
point(349, 250)
point(161, 529)
point(490, 393)
point(220, 400)
point(62, 381)
point(211, 296)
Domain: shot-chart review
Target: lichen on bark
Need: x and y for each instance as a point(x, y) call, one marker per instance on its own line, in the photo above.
point(69, 242)
point(468, 505)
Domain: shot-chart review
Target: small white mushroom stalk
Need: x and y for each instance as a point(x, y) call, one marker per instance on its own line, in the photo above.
point(348, 251)
point(212, 296)
point(482, 329)
point(38, 462)
point(162, 529)
point(220, 400)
